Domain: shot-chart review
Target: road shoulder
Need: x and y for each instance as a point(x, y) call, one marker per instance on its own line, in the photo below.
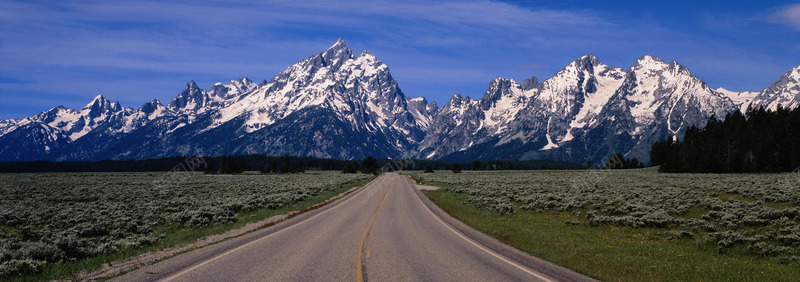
point(538, 265)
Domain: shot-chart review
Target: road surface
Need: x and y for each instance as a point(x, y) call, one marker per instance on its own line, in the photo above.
point(385, 231)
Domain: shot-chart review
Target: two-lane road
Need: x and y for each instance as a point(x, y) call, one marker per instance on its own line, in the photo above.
point(385, 231)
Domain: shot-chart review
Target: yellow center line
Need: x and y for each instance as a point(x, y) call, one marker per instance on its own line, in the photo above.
point(293, 225)
point(359, 270)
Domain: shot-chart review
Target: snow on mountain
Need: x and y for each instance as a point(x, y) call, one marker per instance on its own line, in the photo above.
point(7, 125)
point(338, 105)
point(313, 108)
point(359, 90)
point(75, 124)
point(504, 99)
point(742, 99)
point(542, 113)
point(570, 100)
point(657, 100)
point(98, 112)
point(672, 89)
point(457, 121)
point(51, 130)
point(422, 111)
point(587, 110)
point(785, 92)
point(226, 93)
point(191, 100)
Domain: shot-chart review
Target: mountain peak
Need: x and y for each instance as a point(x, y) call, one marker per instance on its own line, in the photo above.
point(98, 101)
point(99, 105)
point(244, 80)
point(785, 91)
point(794, 73)
point(339, 44)
point(498, 88)
point(586, 62)
point(530, 83)
point(150, 107)
point(337, 54)
point(191, 85)
point(192, 96)
point(650, 62)
point(590, 59)
point(367, 54)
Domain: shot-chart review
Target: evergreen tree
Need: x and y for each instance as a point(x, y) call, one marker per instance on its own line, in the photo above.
point(350, 167)
point(223, 165)
point(211, 168)
point(238, 166)
point(759, 141)
point(476, 165)
point(369, 165)
point(275, 167)
point(618, 161)
point(300, 167)
point(285, 166)
point(456, 168)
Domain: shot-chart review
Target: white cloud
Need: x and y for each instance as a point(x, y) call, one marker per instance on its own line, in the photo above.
point(788, 15)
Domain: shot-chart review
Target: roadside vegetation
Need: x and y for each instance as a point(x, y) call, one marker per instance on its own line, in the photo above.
point(636, 224)
point(54, 225)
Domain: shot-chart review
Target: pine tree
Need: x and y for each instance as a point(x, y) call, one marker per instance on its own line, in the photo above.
point(211, 168)
point(760, 140)
point(369, 165)
point(476, 165)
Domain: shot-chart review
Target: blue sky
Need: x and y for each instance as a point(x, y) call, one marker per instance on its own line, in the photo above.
point(66, 52)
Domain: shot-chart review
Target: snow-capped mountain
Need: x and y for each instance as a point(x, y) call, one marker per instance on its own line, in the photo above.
point(56, 128)
point(464, 122)
point(338, 105)
point(7, 125)
point(586, 111)
point(784, 92)
point(422, 111)
point(333, 105)
point(742, 99)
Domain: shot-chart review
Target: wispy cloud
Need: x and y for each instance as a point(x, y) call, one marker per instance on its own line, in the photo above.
point(533, 66)
point(134, 51)
point(787, 15)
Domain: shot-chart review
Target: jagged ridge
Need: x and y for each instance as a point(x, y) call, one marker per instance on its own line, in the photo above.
point(338, 105)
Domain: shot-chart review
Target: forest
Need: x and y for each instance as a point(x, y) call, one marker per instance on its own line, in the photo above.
point(269, 164)
point(760, 141)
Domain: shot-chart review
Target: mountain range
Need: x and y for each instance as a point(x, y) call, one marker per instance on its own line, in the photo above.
point(338, 105)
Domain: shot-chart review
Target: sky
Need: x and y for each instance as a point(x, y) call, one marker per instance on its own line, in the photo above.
point(67, 52)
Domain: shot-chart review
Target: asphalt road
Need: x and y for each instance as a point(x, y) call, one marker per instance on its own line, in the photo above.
point(385, 231)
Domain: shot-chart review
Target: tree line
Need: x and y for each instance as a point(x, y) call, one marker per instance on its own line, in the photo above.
point(369, 166)
point(759, 141)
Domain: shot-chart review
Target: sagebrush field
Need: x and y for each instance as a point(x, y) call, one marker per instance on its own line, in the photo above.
point(643, 217)
point(56, 218)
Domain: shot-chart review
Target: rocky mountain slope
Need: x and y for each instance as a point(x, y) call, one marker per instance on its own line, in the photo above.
point(587, 112)
point(338, 105)
point(331, 105)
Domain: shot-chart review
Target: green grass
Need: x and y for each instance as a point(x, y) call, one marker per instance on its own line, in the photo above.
point(176, 235)
point(615, 253)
